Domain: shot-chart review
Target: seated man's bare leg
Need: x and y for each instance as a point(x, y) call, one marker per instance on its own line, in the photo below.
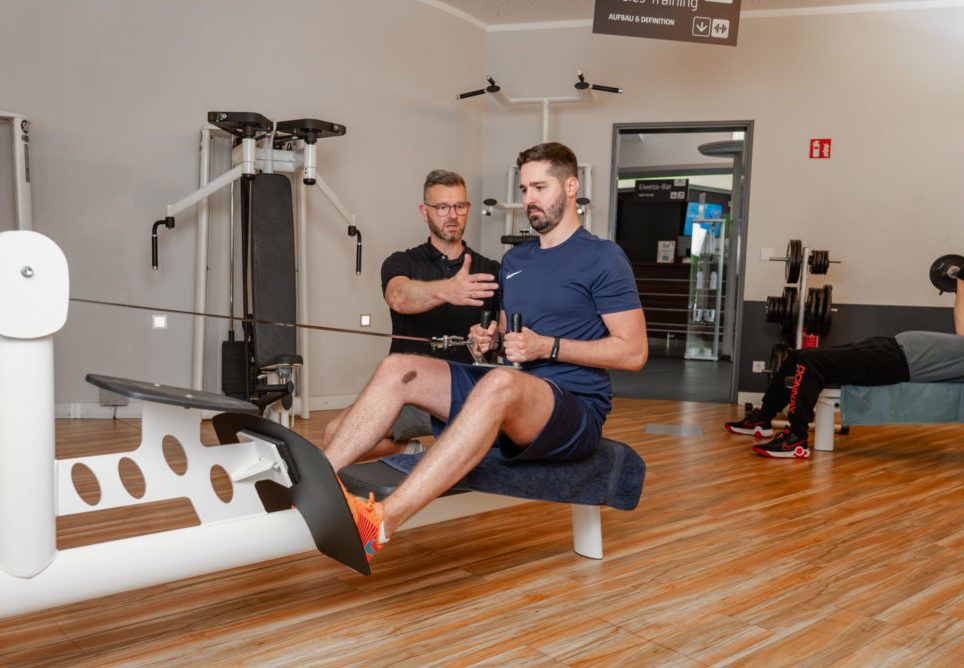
point(386, 447)
point(399, 380)
point(512, 402)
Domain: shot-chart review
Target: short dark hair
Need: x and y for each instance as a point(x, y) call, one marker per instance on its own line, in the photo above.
point(442, 177)
point(562, 161)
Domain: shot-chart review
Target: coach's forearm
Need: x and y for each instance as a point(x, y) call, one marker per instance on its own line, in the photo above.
point(411, 296)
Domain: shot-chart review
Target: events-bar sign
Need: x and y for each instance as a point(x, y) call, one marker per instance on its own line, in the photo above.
point(662, 190)
point(702, 21)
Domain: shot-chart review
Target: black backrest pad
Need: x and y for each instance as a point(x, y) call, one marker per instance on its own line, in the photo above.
point(273, 267)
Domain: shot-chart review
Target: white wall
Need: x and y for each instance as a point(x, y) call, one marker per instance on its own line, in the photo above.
point(117, 91)
point(886, 87)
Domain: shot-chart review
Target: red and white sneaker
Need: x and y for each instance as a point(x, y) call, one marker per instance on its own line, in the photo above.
point(754, 425)
point(784, 446)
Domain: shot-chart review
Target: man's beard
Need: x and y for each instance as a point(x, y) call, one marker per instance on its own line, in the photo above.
point(549, 218)
point(439, 231)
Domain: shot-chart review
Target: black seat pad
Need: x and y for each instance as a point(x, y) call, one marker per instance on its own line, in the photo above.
point(167, 394)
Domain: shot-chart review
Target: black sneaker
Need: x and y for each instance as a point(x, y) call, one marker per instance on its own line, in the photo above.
point(753, 424)
point(784, 446)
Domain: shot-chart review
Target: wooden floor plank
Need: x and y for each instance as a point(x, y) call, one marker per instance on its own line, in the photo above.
point(850, 558)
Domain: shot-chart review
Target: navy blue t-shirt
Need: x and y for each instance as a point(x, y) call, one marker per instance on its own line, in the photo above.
point(563, 291)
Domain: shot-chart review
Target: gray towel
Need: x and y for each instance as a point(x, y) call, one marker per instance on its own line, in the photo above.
point(903, 403)
point(611, 476)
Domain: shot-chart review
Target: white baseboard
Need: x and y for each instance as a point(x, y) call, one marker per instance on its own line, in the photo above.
point(79, 410)
point(749, 398)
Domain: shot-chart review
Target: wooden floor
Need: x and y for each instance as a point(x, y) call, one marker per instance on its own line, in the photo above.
point(852, 558)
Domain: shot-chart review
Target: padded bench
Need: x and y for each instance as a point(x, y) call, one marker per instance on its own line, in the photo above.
point(902, 403)
point(612, 476)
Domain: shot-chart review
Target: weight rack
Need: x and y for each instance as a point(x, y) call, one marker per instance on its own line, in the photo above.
point(815, 313)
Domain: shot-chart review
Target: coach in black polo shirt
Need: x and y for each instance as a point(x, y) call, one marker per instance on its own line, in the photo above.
point(440, 287)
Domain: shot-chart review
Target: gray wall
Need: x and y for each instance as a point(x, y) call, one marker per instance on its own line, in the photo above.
point(117, 92)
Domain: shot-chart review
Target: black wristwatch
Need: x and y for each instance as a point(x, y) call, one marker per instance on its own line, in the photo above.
point(554, 353)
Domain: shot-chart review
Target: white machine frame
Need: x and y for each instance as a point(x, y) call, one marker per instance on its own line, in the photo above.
point(248, 158)
point(36, 488)
point(22, 191)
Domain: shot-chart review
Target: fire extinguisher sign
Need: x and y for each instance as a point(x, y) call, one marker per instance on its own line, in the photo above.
point(820, 149)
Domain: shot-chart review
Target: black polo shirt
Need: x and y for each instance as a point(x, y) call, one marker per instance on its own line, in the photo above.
point(427, 263)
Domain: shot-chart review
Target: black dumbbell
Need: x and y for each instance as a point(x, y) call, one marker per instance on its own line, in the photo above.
point(945, 272)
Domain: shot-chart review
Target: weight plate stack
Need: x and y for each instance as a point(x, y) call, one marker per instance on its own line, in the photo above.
point(819, 262)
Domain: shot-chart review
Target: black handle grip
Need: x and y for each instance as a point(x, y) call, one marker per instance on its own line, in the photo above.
point(486, 319)
point(516, 325)
point(355, 232)
point(471, 93)
point(167, 222)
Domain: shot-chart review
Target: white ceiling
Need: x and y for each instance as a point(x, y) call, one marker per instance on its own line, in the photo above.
point(500, 12)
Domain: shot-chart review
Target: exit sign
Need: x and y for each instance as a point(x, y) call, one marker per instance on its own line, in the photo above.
point(820, 149)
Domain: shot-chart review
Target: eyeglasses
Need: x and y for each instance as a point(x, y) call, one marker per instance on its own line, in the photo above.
point(461, 208)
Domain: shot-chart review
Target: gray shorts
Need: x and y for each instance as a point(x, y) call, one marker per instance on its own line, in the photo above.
point(412, 422)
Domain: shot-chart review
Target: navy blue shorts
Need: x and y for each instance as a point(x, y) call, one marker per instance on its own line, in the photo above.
point(572, 432)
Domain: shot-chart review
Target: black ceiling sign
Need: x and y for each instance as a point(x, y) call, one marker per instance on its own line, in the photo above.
point(701, 21)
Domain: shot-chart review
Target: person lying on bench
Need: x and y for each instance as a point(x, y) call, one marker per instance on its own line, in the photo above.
point(918, 357)
point(581, 307)
point(440, 287)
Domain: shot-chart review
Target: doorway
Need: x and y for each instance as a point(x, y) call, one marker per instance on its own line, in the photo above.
point(678, 208)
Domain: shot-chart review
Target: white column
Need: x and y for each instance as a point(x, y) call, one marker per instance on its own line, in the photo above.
point(303, 374)
point(34, 293)
point(201, 265)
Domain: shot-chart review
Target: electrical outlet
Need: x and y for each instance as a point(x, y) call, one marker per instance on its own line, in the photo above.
point(159, 321)
point(759, 366)
point(766, 254)
point(366, 320)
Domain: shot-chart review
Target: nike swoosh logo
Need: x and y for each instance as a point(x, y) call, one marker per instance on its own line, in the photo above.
point(508, 276)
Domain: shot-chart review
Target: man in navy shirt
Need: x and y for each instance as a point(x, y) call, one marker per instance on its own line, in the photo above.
point(581, 315)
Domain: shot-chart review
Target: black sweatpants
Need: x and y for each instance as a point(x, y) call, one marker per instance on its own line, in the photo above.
point(875, 361)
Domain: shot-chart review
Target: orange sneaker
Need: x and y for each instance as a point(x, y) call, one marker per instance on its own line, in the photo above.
point(369, 517)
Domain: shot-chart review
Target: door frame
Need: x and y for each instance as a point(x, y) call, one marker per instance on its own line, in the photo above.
point(739, 273)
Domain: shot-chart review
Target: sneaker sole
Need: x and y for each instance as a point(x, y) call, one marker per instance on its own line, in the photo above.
point(756, 432)
point(796, 453)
